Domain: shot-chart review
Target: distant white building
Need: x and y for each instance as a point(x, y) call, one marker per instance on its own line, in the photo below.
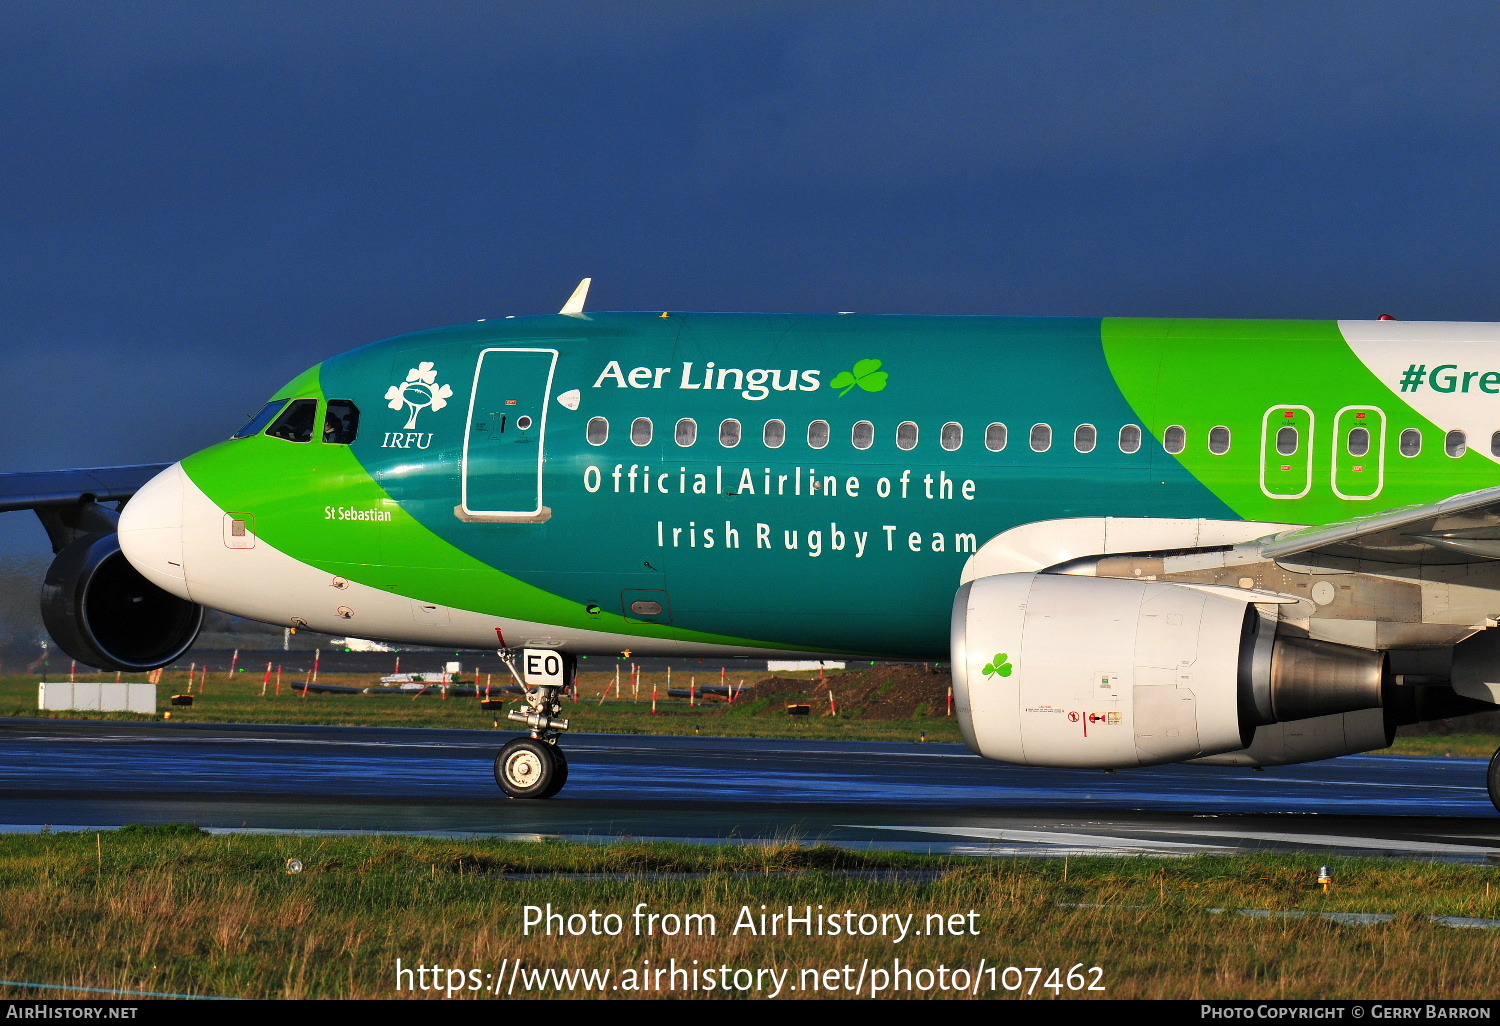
point(362, 645)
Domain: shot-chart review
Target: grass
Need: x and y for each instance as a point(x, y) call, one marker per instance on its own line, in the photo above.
point(172, 910)
point(1446, 745)
point(240, 701)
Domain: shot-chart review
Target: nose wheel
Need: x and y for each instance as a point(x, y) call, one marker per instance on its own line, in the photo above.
point(535, 767)
point(529, 768)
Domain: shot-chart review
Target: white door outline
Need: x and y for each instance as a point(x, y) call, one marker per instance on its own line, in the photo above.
point(539, 512)
point(1377, 450)
point(1268, 442)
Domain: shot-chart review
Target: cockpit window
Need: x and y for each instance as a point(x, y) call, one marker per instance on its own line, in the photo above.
point(296, 422)
point(256, 424)
point(341, 422)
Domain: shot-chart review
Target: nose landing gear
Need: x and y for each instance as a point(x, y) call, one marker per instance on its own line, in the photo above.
point(535, 767)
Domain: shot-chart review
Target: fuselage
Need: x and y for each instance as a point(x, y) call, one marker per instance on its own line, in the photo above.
point(743, 483)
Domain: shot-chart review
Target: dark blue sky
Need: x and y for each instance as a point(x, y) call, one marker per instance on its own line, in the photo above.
point(199, 200)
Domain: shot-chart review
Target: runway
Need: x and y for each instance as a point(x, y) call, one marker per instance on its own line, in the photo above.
point(925, 797)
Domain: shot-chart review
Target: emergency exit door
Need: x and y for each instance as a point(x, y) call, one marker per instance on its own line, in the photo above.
point(1286, 452)
point(1358, 452)
point(505, 438)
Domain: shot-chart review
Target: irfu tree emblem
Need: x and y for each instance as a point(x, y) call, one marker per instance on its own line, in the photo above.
point(420, 391)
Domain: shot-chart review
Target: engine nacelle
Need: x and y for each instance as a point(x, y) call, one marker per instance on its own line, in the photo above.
point(102, 612)
point(1058, 670)
point(1317, 737)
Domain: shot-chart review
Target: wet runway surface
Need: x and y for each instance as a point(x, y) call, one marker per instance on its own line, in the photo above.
point(934, 797)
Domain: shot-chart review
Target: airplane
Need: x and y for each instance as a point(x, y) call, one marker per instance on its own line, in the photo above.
point(1138, 541)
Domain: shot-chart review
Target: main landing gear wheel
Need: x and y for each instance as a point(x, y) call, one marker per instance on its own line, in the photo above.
point(1493, 780)
point(529, 768)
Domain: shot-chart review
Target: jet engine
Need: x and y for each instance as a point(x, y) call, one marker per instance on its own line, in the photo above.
point(1062, 670)
point(103, 613)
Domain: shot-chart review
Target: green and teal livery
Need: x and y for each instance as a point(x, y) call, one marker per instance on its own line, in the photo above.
point(895, 447)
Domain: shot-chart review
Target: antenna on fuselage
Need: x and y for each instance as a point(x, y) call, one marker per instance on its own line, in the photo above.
point(574, 306)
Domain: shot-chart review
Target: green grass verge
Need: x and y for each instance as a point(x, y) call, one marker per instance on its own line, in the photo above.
point(1446, 745)
point(240, 701)
point(173, 911)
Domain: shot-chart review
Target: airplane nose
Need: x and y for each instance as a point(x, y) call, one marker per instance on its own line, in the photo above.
point(151, 531)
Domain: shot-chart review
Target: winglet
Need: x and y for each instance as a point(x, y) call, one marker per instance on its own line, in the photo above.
point(574, 306)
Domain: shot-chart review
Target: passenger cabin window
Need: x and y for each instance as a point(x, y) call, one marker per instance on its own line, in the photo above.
point(1456, 444)
point(906, 435)
point(1411, 442)
point(640, 431)
point(1130, 438)
point(729, 434)
point(687, 432)
point(256, 424)
point(341, 422)
point(1286, 440)
point(994, 437)
point(1358, 441)
point(1085, 437)
point(1218, 440)
point(775, 434)
point(296, 422)
point(1041, 437)
point(1175, 440)
point(952, 436)
point(1495, 444)
point(817, 434)
point(598, 431)
point(863, 435)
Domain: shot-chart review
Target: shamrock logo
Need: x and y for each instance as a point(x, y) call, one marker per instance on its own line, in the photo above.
point(866, 374)
point(999, 665)
point(420, 391)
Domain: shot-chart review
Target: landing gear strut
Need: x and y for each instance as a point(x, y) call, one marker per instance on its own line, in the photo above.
point(1493, 780)
point(535, 767)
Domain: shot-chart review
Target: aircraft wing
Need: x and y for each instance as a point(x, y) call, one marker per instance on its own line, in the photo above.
point(1462, 529)
point(48, 488)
